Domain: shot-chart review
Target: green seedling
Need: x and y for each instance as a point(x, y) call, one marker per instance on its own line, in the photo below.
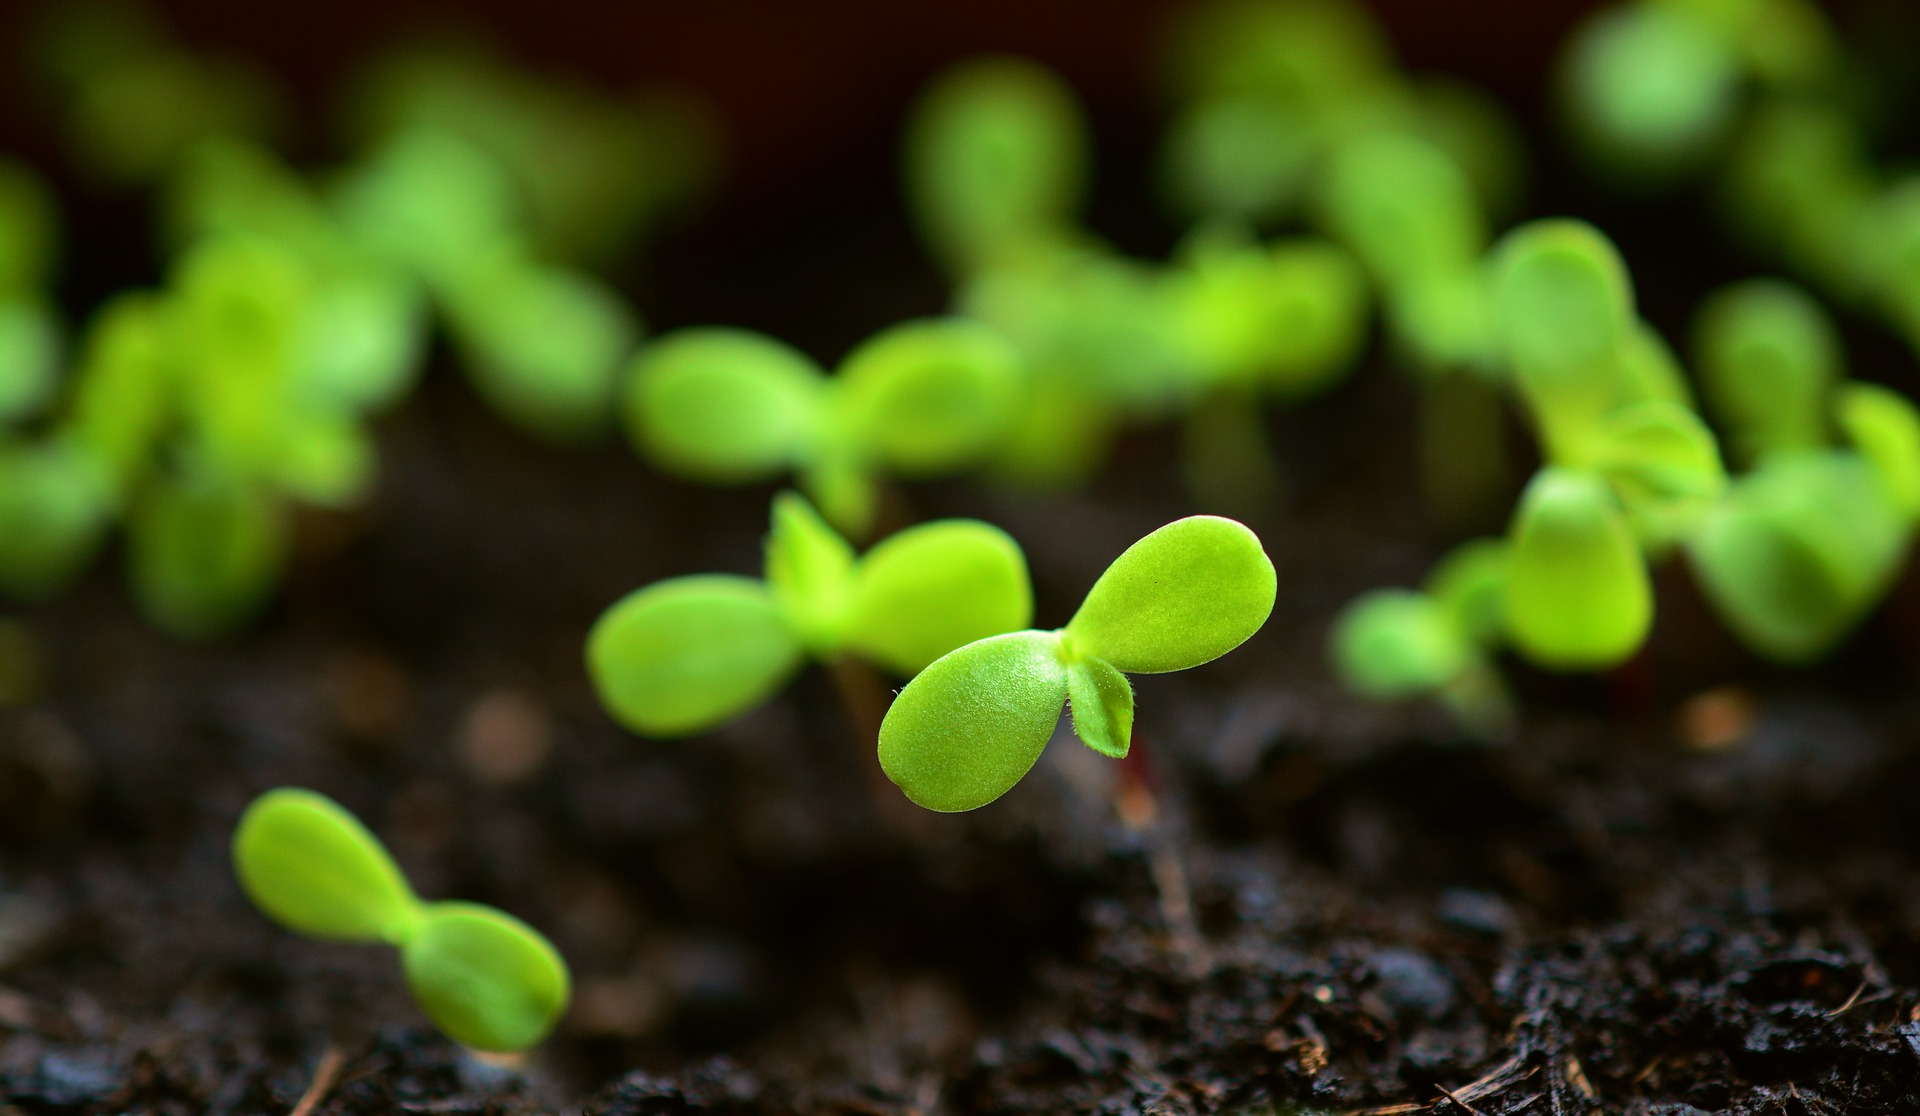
point(687, 654)
point(55, 506)
point(1578, 594)
point(1768, 357)
point(996, 154)
point(486, 979)
point(920, 399)
point(204, 553)
point(29, 333)
point(1650, 88)
point(974, 722)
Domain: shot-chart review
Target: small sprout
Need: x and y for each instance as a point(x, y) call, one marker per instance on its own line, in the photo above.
point(430, 202)
point(486, 979)
point(684, 655)
point(1884, 427)
point(123, 392)
point(1578, 595)
point(920, 399)
point(29, 358)
point(1663, 464)
point(55, 503)
point(1800, 550)
point(972, 724)
point(1651, 88)
point(1768, 355)
point(1403, 205)
point(203, 553)
point(996, 154)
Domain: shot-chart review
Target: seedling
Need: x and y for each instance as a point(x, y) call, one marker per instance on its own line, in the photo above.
point(974, 722)
point(919, 399)
point(486, 979)
point(684, 655)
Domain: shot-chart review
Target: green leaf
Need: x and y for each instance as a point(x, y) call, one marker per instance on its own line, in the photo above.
point(1404, 207)
point(545, 346)
point(1319, 313)
point(310, 865)
point(1469, 586)
point(845, 490)
point(326, 460)
point(1885, 427)
point(1650, 87)
point(723, 405)
point(430, 201)
point(1799, 551)
point(123, 393)
point(929, 589)
point(1239, 157)
point(684, 655)
point(361, 345)
point(204, 554)
point(54, 509)
point(972, 724)
point(1663, 464)
point(486, 979)
point(928, 397)
point(1767, 354)
point(29, 358)
point(1564, 307)
point(1101, 700)
point(1397, 643)
point(809, 572)
point(996, 151)
point(1186, 594)
point(1578, 593)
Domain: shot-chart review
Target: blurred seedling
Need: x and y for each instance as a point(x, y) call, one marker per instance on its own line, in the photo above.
point(1813, 535)
point(486, 980)
point(920, 399)
point(29, 332)
point(685, 655)
point(971, 725)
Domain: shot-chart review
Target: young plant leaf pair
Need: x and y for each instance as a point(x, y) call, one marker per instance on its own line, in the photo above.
point(684, 655)
point(486, 979)
point(920, 399)
point(971, 725)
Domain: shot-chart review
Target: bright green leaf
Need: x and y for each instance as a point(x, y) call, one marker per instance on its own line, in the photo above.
point(929, 589)
point(123, 392)
point(1396, 643)
point(1767, 354)
point(972, 724)
point(1403, 206)
point(310, 865)
point(926, 397)
point(1578, 593)
point(54, 507)
point(809, 571)
point(1101, 700)
point(1885, 427)
point(486, 979)
point(682, 656)
point(723, 405)
point(29, 358)
point(1650, 87)
point(1469, 586)
point(1186, 594)
point(1663, 464)
point(204, 554)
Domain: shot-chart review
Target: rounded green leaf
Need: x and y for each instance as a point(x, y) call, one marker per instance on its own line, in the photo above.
point(809, 572)
point(1186, 594)
point(1101, 700)
point(928, 397)
point(929, 589)
point(685, 655)
point(325, 459)
point(1396, 643)
point(1767, 354)
point(1799, 551)
point(204, 554)
point(1664, 466)
point(1885, 427)
point(123, 393)
point(1239, 157)
point(723, 405)
point(1564, 308)
point(486, 979)
point(361, 345)
point(29, 358)
point(1650, 87)
point(55, 504)
point(1578, 593)
point(1470, 586)
point(545, 346)
point(1404, 207)
point(972, 724)
point(1319, 308)
point(995, 156)
point(310, 865)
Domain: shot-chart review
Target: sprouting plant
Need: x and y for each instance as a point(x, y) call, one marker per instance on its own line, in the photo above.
point(974, 722)
point(919, 399)
point(684, 655)
point(29, 334)
point(486, 979)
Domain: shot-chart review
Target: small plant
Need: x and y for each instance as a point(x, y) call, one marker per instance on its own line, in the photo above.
point(920, 399)
point(974, 722)
point(486, 979)
point(684, 655)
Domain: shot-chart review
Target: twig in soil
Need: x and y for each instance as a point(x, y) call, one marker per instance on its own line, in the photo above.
point(1858, 998)
point(1471, 1110)
point(324, 1076)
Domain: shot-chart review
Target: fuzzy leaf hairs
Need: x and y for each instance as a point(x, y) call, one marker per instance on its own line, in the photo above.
point(684, 655)
point(486, 979)
point(972, 724)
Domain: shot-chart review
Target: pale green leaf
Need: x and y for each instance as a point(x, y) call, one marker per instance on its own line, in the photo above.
point(55, 505)
point(1885, 427)
point(123, 393)
point(927, 397)
point(29, 358)
point(205, 554)
point(685, 655)
point(1403, 206)
point(1396, 643)
point(1663, 464)
point(1578, 593)
point(1469, 586)
point(929, 589)
point(972, 724)
point(723, 405)
point(1650, 87)
point(845, 490)
point(1186, 594)
point(327, 460)
point(486, 979)
point(809, 572)
point(1101, 700)
point(1767, 355)
point(310, 865)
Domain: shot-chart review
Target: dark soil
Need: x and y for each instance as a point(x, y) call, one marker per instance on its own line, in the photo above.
point(1336, 907)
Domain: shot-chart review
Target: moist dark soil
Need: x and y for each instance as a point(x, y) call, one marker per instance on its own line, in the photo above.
point(1645, 901)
